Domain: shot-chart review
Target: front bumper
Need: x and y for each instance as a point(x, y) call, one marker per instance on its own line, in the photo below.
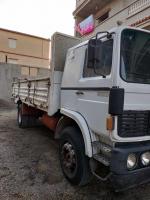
point(123, 178)
point(126, 181)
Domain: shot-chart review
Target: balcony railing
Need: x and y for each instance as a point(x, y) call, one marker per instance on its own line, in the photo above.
point(137, 7)
point(79, 2)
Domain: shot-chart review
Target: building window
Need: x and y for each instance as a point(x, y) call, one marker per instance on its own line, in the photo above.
point(25, 71)
point(33, 71)
point(103, 17)
point(29, 71)
point(12, 43)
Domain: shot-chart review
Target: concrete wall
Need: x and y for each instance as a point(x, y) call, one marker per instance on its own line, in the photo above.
point(10, 72)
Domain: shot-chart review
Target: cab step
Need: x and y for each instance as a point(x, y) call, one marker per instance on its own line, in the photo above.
point(102, 159)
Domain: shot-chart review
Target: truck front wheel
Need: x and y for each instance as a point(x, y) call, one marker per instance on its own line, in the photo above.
point(74, 163)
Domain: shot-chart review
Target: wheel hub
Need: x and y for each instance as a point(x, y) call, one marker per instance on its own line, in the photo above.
point(69, 160)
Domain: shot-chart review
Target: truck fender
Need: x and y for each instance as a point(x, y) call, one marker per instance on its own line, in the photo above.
point(80, 121)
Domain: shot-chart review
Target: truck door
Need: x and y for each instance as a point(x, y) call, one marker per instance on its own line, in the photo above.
point(94, 86)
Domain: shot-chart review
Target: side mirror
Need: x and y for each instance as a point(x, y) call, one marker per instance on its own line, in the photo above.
point(93, 52)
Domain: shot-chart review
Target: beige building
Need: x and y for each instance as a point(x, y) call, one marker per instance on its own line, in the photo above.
point(31, 52)
point(109, 13)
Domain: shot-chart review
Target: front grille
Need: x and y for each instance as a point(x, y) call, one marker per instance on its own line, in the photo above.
point(134, 124)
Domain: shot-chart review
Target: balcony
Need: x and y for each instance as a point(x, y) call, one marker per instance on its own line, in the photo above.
point(138, 6)
point(136, 14)
point(86, 7)
point(79, 2)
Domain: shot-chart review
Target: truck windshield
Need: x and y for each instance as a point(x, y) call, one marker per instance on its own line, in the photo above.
point(135, 56)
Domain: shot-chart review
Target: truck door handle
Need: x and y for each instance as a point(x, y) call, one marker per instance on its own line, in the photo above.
point(79, 93)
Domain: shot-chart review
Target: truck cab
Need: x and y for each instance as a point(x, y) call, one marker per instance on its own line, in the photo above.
point(106, 84)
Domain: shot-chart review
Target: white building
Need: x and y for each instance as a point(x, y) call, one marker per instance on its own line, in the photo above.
point(109, 13)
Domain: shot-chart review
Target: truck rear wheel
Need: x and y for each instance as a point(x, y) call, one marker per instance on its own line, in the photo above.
point(22, 119)
point(74, 163)
point(26, 120)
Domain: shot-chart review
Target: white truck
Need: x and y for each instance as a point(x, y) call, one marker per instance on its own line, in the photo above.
point(97, 102)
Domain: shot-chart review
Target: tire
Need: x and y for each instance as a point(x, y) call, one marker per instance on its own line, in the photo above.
point(26, 121)
point(22, 120)
point(74, 163)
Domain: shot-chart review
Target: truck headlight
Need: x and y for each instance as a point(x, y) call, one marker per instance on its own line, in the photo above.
point(131, 161)
point(145, 158)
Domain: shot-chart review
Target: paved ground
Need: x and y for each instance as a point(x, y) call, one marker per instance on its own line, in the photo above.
point(30, 170)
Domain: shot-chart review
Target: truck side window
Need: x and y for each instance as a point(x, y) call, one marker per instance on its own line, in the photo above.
point(105, 64)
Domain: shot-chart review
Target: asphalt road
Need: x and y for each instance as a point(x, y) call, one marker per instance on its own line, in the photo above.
point(30, 169)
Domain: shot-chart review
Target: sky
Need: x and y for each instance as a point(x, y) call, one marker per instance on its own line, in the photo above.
point(38, 17)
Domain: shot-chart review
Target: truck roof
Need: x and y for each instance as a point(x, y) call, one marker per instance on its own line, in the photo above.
point(113, 30)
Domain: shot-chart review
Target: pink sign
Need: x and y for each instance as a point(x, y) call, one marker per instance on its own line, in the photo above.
point(86, 26)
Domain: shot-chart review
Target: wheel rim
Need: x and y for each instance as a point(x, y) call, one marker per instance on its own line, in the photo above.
point(69, 159)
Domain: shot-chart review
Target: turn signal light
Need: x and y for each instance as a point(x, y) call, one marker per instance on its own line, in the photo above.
point(110, 123)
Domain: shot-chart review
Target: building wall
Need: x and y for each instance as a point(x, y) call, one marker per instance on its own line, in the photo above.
point(121, 12)
point(23, 49)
